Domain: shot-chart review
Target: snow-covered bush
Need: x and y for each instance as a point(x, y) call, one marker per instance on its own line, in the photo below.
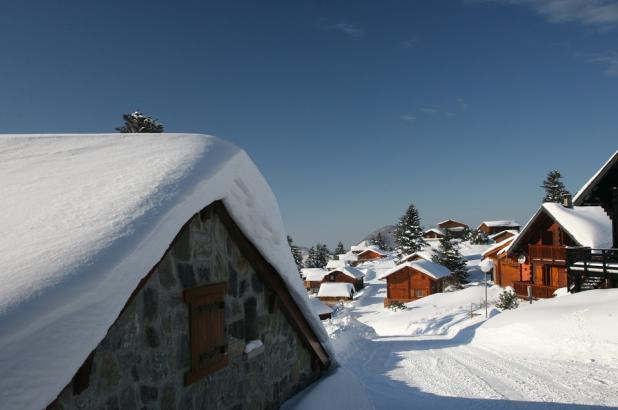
point(508, 299)
point(397, 305)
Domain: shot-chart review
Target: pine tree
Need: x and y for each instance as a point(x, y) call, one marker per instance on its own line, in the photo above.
point(339, 249)
point(379, 241)
point(137, 122)
point(449, 256)
point(408, 233)
point(554, 187)
point(311, 261)
point(476, 237)
point(322, 255)
point(298, 257)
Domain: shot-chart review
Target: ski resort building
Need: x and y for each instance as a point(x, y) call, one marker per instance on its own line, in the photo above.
point(347, 274)
point(313, 278)
point(456, 229)
point(147, 271)
point(543, 242)
point(433, 233)
point(409, 281)
point(493, 227)
point(371, 253)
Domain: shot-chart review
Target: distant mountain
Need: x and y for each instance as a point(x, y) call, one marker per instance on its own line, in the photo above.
point(387, 232)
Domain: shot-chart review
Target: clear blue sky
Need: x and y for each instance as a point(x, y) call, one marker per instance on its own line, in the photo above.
point(352, 110)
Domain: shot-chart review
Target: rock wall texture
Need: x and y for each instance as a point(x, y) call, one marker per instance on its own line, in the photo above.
point(142, 361)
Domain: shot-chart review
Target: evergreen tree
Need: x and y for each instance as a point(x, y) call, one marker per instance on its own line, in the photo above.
point(298, 257)
point(449, 256)
point(322, 255)
point(311, 261)
point(379, 241)
point(554, 187)
point(137, 122)
point(476, 237)
point(408, 233)
point(339, 249)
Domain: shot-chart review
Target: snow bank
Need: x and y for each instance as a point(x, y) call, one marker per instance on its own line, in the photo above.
point(337, 391)
point(85, 217)
point(438, 314)
point(578, 327)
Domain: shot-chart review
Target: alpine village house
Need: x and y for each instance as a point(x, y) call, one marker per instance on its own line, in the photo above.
point(573, 244)
point(198, 306)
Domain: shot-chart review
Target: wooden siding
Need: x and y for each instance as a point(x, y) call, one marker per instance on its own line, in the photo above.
point(403, 285)
point(369, 255)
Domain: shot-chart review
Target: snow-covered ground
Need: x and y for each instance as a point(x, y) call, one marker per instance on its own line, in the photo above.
point(554, 354)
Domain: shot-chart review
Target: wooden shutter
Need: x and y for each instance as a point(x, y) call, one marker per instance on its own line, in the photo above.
point(207, 330)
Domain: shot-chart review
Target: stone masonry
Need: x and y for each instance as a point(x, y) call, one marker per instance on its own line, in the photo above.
point(141, 362)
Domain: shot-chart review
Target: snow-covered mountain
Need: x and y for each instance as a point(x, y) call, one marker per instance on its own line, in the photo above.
point(387, 232)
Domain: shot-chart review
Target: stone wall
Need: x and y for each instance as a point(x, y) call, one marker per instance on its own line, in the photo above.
point(142, 361)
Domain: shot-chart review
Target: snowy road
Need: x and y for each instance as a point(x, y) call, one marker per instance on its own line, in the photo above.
point(445, 371)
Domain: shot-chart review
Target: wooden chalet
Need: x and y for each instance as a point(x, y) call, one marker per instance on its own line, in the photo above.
point(597, 267)
point(347, 274)
point(419, 255)
point(456, 229)
point(543, 242)
point(492, 227)
point(413, 280)
point(370, 254)
point(433, 233)
point(333, 293)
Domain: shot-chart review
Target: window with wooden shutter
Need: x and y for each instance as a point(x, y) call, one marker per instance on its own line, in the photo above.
point(207, 330)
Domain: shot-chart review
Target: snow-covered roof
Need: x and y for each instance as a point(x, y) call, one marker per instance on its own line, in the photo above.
point(335, 263)
point(579, 196)
point(361, 246)
point(587, 225)
point(314, 274)
point(426, 254)
point(350, 271)
point(335, 289)
point(435, 230)
point(429, 268)
point(85, 217)
point(498, 246)
point(493, 224)
point(373, 248)
point(348, 257)
point(513, 232)
point(319, 307)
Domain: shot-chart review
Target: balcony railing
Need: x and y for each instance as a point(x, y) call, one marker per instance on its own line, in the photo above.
point(547, 253)
point(538, 291)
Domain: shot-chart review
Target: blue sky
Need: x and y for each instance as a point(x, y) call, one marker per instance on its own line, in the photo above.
point(352, 110)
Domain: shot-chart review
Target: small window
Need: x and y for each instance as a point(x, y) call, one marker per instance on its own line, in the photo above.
point(207, 330)
point(419, 293)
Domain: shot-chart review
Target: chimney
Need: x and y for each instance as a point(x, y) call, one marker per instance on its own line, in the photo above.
point(567, 200)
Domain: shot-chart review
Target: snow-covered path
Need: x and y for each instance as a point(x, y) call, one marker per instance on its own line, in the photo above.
point(446, 371)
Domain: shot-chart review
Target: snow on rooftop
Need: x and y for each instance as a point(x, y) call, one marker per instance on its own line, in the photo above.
point(498, 245)
point(492, 224)
point(425, 254)
point(436, 230)
point(374, 248)
point(350, 271)
point(588, 225)
point(319, 307)
point(314, 274)
point(599, 173)
point(429, 268)
point(85, 217)
point(511, 231)
point(335, 289)
point(335, 263)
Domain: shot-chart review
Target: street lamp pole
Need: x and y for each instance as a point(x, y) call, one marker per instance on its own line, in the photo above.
point(487, 266)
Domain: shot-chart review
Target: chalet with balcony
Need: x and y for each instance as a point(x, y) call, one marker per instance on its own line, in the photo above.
point(597, 267)
point(456, 229)
point(410, 281)
point(506, 268)
point(492, 227)
point(347, 274)
point(543, 242)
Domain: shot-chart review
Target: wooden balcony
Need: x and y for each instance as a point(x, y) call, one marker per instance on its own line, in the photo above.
point(555, 255)
point(538, 291)
point(591, 268)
